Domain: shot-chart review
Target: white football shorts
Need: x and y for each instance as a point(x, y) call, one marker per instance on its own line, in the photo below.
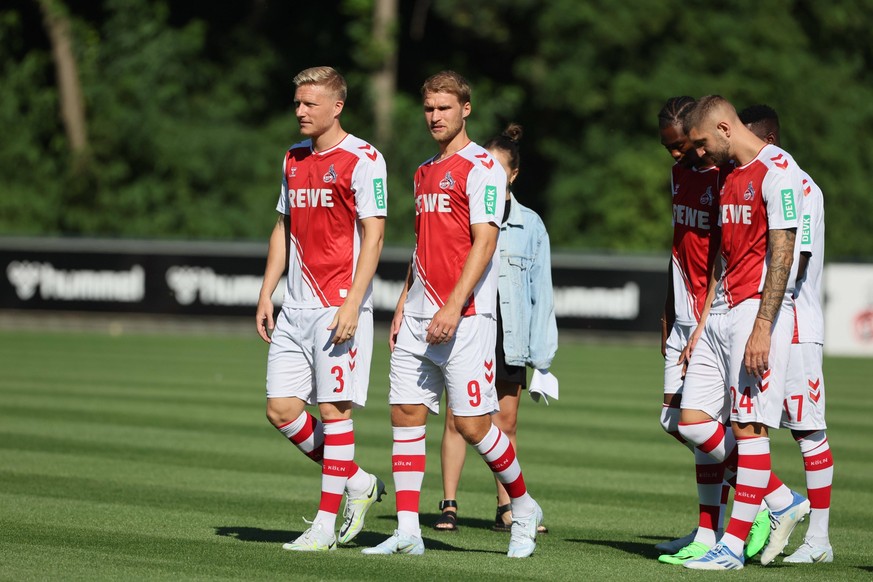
point(804, 405)
point(716, 381)
point(303, 362)
point(676, 342)
point(464, 366)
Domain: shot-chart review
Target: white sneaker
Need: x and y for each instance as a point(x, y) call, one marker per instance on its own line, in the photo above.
point(357, 508)
point(720, 557)
point(671, 547)
point(523, 540)
point(782, 523)
point(314, 539)
point(808, 553)
point(398, 544)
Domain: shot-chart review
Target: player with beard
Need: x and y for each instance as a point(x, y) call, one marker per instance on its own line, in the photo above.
point(739, 364)
point(804, 404)
point(695, 186)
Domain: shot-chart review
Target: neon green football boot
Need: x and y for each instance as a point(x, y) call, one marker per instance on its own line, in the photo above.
point(690, 552)
point(759, 534)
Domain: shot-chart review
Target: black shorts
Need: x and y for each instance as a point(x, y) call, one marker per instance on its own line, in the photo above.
point(507, 373)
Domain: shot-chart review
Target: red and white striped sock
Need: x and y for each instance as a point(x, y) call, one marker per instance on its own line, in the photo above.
point(339, 454)
point(777, 495)
point(709, 436)
point(722, 508)
point(753, 477)
point(710, 476)
point(670, 423)
point(407, 461)
point(307, 434)
point(819, 466)
point(498, 452)
point(359, 482)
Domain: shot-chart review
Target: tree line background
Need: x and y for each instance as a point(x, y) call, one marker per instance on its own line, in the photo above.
point(139, 118)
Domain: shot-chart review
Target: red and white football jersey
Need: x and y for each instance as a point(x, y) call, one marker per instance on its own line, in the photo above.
point(468, 187)
point(762, 195)
point(695, 216)
point(325, 193)
point(807, 291)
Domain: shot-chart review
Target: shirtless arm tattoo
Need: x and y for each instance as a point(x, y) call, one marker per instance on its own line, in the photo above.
point(781, 248)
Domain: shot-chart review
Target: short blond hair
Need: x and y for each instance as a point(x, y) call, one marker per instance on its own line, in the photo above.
point(327, 77)
point(448, 82)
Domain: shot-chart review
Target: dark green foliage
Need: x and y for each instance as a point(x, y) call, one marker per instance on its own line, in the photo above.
point(189, 109)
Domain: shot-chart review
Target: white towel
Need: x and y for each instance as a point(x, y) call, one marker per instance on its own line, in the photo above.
point(543, 384)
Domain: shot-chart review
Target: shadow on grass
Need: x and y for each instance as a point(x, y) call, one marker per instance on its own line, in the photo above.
point(428, 519)
point(362, 540)
point(640, 549)
point(256, 534)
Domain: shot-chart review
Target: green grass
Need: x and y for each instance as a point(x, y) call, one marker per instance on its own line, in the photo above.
point(149, 457)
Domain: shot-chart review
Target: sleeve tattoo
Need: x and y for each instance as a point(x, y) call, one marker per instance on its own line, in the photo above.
point(781, 247)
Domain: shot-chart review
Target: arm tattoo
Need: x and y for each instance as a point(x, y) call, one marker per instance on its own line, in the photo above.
point(781, 248)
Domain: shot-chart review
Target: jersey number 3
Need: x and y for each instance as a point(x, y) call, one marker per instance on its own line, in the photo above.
point(338, 372)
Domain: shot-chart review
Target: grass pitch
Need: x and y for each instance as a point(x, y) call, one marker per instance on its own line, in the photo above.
point(148, 457)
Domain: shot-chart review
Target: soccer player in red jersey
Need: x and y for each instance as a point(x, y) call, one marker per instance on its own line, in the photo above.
point(332, 209)
point(527, 332)
point(804, 404)
point(695, 187)
point(739, 365)
point(444, 329)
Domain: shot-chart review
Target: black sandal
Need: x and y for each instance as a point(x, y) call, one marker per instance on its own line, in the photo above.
point(448, 520)
point(499, 524)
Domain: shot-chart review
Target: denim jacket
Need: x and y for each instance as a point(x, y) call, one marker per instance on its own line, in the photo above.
point(530, 333)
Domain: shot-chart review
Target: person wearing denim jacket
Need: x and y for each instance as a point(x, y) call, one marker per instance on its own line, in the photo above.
point(527, 334)
point(530, 333)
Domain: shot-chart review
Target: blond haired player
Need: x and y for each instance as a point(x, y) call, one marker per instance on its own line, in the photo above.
point(444, 329)
point(329, 233)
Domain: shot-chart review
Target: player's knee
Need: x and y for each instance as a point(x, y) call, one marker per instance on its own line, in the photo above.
point(275, 418)
point(473, 428)
point(280, 414)
point(688, 433)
